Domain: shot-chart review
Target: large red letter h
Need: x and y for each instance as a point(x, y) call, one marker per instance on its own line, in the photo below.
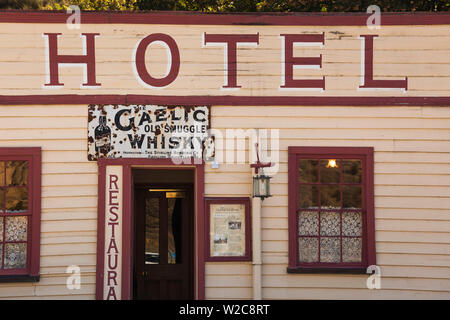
point(54, 59)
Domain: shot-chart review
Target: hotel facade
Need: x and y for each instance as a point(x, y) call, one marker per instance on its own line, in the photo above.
point(224, 156)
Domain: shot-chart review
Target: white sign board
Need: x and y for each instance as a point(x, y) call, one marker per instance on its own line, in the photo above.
point(147, 131)
point(112, 273)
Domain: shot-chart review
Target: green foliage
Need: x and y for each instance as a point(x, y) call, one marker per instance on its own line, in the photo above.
point(233, 5)
point(22, 4)
point(293, 5)
point(88, 5)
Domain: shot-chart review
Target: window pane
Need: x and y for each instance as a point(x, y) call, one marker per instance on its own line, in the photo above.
point(351, 197)
point(330, 224)
point(16, 199)
point(2, 173)
point(308, 223)
point(16, 228)
point(308, 196)
point(329, 171)
point(1, 231)
point(308, 170)
point(330, 249)
point(351, 249)
point(1, 255)
point(308, 249)
point(351, 171)
point(152, 231)
point(16, 173)
point(330, 197)
point(351, 223)
point(15, 255)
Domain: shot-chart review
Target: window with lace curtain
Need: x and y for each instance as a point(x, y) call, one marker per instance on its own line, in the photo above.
point(331, 227)
point(20, 170)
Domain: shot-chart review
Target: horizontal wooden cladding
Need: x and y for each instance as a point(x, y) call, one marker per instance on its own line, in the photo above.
point(304, 19)
point(351, 294)
point(228, 293)
point(68, 197)
point(50, 287)
point(341, 60)
point(386, 111)
point(354, 282)
point(412, 216)
point(412, 181)
point(339, 76)
point(236, 281)
point(416, 52)
point(361, 122)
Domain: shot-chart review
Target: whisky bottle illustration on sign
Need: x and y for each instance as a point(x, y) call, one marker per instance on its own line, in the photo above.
point(102, 137)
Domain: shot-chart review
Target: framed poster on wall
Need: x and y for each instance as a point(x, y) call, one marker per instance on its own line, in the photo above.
point(228, 229)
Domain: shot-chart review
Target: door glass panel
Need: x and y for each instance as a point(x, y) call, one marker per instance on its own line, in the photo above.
point(174, 230)
point(152, 231)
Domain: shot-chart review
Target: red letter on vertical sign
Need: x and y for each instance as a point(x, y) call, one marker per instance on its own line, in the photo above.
point(113, 181)
point(290, 61)
point(231, 41)
point(54, 59)
point(368, 81)
point(173, 64)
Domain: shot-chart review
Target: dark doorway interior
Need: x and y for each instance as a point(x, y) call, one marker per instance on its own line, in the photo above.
point(163, 234)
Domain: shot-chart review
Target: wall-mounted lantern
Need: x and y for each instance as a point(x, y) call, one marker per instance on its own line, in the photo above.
point(261, 182)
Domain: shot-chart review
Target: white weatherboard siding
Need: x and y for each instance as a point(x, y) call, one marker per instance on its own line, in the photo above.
point(411, 143)
point(412, 199)
point(69, 197)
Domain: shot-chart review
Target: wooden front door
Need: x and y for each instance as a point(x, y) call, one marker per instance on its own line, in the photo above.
point(163, 257)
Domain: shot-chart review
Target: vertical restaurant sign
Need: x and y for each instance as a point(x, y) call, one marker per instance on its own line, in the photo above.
point(112, 273)
point(147, 131)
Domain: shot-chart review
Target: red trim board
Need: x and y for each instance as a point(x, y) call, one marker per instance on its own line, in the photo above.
point(191, 18)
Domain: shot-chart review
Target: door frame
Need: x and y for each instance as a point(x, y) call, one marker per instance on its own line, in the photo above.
point(127, 236)
point(191, 204)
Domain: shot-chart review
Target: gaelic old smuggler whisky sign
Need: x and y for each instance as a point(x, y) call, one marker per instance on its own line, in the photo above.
point(147, 131)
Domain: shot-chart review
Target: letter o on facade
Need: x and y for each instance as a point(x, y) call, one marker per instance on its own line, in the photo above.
point(174, 60)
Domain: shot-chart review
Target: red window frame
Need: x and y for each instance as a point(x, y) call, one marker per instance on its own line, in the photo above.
point(365, 154)
point(31, 271)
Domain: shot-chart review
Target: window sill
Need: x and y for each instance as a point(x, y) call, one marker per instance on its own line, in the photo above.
point(358, 270)
point(18, 278)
